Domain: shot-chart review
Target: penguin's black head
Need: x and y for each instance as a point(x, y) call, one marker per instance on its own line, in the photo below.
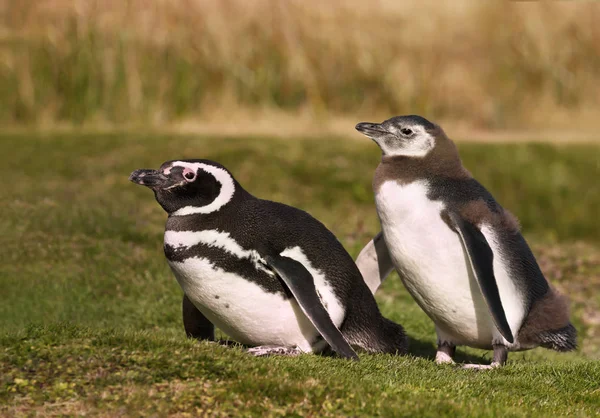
point(408, 136)
point(184, 187)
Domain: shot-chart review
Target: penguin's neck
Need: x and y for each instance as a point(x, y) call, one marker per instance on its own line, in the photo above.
point(438, 163)
point(216, 219)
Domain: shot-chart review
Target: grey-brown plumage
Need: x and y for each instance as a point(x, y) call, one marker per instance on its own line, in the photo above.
point(486, 289)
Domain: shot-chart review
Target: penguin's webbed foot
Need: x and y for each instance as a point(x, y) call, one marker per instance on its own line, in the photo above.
point(273, 350)
point(480, 366)
point(500, 356)
point(445, 353)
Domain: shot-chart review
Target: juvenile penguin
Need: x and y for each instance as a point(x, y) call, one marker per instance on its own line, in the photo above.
point(459, 253)
point(267, 274)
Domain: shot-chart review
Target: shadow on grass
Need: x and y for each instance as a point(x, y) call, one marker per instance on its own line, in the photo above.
point(417, 348)
point(427, 351)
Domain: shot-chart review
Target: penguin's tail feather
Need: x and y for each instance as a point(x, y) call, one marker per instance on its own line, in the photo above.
point(384, 337)
point(563, 339)
point(395, 338)
point(547, 324)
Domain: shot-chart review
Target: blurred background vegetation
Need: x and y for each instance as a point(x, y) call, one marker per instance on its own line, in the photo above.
point(482, 65)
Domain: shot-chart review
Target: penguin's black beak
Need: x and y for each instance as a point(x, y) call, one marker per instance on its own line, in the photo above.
point(371, 130)
point(149, 178)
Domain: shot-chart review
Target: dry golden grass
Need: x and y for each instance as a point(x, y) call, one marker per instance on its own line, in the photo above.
point(492, 65)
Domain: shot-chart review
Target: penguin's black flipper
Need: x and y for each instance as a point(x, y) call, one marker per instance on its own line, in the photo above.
point(196, 325)
point(481, 259)
point(302, 285)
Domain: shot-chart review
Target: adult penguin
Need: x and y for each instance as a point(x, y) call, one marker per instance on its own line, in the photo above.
point(267, 274)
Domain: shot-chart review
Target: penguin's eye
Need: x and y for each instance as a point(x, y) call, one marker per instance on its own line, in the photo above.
point(406, 131)
point(188, 174)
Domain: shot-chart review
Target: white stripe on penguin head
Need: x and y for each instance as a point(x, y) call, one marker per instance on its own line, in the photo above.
point(220, 174)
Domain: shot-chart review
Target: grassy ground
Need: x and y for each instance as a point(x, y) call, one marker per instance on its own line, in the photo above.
point(90, 314)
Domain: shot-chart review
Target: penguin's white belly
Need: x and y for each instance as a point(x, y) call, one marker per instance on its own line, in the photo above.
point(434, 267)
point(241, 308)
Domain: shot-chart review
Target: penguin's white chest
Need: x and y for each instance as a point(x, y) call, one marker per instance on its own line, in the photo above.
point(241, 308)
point(433, 265)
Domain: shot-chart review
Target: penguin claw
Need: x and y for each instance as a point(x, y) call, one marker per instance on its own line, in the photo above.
point(271, 350)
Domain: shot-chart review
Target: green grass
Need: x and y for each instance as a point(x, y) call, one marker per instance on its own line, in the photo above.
point(90, 313)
